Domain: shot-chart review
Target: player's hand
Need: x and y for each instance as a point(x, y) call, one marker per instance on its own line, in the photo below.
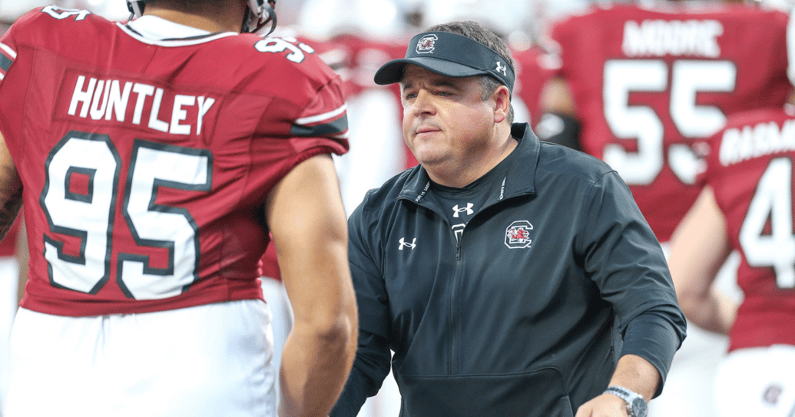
point(605, 405)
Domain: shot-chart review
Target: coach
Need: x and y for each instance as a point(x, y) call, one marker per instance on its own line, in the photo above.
point(510, 277)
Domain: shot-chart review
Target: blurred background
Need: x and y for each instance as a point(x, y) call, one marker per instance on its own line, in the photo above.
point(378, 15)
point(355, 37)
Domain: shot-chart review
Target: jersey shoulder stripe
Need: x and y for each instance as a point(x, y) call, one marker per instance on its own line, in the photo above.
point(7, 57)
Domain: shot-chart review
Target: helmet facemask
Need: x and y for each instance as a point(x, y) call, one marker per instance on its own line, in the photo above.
point(258, 14)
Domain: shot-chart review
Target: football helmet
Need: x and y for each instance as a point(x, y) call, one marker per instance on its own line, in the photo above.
point(258, 13)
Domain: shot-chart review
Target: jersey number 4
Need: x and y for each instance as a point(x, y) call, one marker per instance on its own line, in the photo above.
point(773, 201)
point(87, 214)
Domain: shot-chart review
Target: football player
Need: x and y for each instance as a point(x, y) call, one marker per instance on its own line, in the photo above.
point(746, 206)
point(642, 88)
point(154, 158)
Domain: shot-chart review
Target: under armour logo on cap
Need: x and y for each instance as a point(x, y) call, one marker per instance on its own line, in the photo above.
point(501, 68)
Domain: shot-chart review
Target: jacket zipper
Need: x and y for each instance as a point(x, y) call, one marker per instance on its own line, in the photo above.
point(454, 334)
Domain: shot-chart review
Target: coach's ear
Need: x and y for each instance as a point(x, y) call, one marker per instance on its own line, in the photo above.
point(502, 103)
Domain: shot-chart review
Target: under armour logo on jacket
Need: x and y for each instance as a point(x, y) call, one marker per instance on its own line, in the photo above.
point(467, 209)
point(403, 244)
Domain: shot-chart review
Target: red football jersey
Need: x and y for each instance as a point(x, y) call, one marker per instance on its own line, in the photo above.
point(532, 73)
point(146, 162)
point(750, 169)
point(651, 84)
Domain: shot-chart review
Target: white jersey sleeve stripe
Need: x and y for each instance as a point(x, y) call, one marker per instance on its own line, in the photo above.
point(11, 53)
point(321, 117)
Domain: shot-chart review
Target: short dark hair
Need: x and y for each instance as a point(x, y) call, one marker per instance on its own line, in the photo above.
point(478, 33)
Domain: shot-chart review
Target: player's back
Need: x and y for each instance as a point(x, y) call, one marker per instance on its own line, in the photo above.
point(750, 171)
point(146, 159)
point(651, 84)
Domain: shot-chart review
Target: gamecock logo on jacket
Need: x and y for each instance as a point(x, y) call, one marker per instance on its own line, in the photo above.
point(517, 235)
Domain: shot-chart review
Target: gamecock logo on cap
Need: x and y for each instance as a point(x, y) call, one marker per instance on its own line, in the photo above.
point(426, 44)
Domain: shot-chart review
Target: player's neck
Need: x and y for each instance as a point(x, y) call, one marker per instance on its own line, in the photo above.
point(211, 22)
